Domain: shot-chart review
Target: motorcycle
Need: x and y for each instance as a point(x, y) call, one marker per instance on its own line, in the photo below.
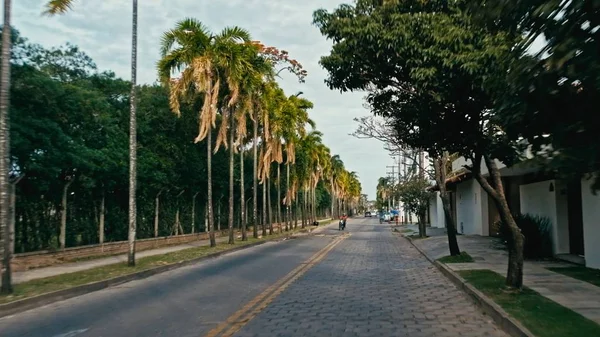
point(342, 225)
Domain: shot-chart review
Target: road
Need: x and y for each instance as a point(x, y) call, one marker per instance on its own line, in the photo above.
point(361, 282)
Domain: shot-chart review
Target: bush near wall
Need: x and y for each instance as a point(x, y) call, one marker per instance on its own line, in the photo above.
point(537, 233)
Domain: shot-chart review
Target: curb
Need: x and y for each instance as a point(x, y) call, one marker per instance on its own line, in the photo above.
point(511, 326)
point(29, 303)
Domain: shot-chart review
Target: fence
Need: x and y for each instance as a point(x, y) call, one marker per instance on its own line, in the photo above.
point(25, 261)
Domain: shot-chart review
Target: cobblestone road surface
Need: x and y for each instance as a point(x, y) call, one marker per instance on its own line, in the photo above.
point(372, 284)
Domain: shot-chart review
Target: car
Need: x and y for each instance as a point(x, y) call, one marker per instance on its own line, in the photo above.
point(367, 214)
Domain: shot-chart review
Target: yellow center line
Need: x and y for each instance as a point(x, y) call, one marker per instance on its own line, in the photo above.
point(256, 305)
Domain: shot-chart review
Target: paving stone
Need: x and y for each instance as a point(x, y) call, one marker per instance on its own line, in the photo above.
point(372, 284)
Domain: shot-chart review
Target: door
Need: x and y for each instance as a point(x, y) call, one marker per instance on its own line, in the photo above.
point(575, 215)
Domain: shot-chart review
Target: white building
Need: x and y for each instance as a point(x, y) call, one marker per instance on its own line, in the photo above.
point(571, 207)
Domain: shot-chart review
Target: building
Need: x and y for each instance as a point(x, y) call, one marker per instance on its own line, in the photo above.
point(571, 207)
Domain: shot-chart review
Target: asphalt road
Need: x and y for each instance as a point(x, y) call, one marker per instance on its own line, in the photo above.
point(368, 283)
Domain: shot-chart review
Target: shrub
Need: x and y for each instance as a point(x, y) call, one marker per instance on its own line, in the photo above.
point(537, 233)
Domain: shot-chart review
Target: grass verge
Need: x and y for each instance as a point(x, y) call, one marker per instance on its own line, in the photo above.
point(416, 237)
point(543, 317)
point(464, 257)
point(581, 273)
point(65, 281)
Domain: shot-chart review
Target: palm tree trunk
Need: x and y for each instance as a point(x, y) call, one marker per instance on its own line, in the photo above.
point(63, 215)
point(157, 212)
point(279, 218)
point(194, 212)
point(5, 151)
point(231, 169)
point(296, 210)
point(209, 208)
point(264, 209)
point(133, 139)
point(314, 192)
point(101, 219)
point(269, 207)
point(288, 203)
point(304, 207)
point(242, 196)
point(255, 177)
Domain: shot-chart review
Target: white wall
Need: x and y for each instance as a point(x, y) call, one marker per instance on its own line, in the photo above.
point(441, 217)
point(591, 224)
point(471, 208)
point(436, 211)
point(433, 220)
point(537, 199)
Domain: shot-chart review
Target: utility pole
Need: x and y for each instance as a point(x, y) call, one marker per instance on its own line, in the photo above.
point(392, 176)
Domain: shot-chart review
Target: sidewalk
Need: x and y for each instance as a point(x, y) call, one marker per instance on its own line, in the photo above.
point(489, 253)
point(32, 274)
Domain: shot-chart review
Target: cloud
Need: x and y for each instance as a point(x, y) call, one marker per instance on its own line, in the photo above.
point(103, 30)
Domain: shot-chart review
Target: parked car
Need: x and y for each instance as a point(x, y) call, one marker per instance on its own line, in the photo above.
point(367, 214)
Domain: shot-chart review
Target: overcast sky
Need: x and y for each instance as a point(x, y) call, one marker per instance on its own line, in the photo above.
point(102, 28)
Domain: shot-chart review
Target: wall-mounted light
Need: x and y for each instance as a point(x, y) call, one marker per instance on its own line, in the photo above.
point(551, 188)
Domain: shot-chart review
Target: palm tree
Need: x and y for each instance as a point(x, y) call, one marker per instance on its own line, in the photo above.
point(62, 6)
point(5, 230)
point(199, 55)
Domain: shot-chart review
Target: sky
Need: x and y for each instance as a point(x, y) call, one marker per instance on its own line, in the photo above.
point(102, 29)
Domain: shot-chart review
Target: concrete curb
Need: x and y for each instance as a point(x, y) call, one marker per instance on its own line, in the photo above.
point(29, 303)
point(489, 307)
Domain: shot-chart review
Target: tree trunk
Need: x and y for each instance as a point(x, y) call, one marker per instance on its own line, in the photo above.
point(264, 209)
point(269, 207)
point(231, 170)
point(156, 212)
point(255, 177)
point(279, 218)
point(315, 203)
point(242, 196)
point(133, 140)
point(332, 198)
point(296, 210)
point(101, 219)
point(11, 214)
point(422, 227)
point(194, 212)
point(209, 208)
point(495, 188)
point(304, 207)
point(288, 201)
point(219, 215)
point(176, 226)
point(439, 165)
point(63, 215)
point(5, 151)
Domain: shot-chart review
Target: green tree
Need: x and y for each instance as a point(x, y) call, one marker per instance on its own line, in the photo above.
point(428, 68)
point(415, 198)
point(62, 6)
point(550, 96)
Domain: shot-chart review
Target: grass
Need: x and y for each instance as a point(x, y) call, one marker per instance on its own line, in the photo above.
point(65, 281)
point(416, 237)
point(588, 275)
point(543, 317)
point(464, 257)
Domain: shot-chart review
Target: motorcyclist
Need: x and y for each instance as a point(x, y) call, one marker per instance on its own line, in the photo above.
point(343, 218)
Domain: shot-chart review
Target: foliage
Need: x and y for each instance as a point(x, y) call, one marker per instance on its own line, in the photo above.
point(550, 96)
point(464, 257)
point(537, 232)
point(424, 65)
point(70, 120)
point(414, 195)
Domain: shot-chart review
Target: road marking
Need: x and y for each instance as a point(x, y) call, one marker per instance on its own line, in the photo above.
point(72, 333)
point(244, 315)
